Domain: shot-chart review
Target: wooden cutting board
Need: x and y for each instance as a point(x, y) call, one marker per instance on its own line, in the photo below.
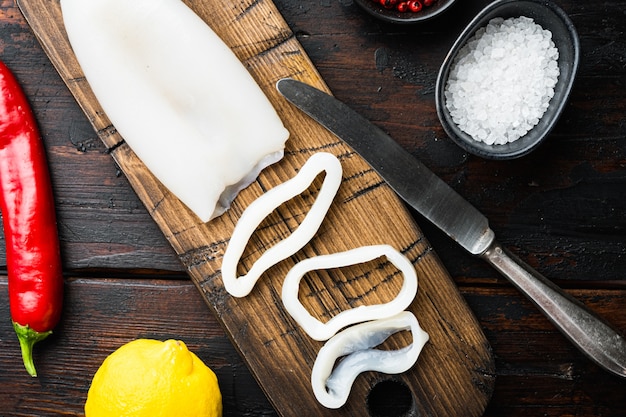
point(454, 375)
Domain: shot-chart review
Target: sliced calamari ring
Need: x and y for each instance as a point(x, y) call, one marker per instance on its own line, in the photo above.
point(355, 345)
point(319, 330)
point(268, 202)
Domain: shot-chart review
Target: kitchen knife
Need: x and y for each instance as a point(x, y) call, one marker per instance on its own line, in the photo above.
point(446, 209)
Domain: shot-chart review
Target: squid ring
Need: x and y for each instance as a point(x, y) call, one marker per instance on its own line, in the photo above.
point(268, 202)
point(355, 344)
point(324, 331)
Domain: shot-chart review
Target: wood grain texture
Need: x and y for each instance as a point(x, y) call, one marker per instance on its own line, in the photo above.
point(455, 374)
point(100, 316)
point(563, 208)
point(538, 371)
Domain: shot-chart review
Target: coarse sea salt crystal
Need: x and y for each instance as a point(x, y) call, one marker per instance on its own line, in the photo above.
point(502, 80)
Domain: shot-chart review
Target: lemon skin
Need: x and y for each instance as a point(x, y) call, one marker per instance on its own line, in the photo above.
point(152, 378)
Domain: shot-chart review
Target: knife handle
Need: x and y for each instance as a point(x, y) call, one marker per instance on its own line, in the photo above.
point(596, 339)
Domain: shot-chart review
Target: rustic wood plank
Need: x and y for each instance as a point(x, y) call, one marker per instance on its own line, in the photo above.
point(561, 208)
point(99, 316)
point(580, 239)
point(102, 222)
point(554, 207)
point(538, 371)
point(537, 368)
point(275, 349)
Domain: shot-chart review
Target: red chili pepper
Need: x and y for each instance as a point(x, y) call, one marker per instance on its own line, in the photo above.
point(29, 219)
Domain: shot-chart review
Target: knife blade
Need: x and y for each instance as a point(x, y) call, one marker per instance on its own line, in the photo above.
point(445, 208)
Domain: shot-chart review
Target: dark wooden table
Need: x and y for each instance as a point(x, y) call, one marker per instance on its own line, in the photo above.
point(562, 209)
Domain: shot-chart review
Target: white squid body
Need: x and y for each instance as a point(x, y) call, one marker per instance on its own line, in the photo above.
point(178, 96)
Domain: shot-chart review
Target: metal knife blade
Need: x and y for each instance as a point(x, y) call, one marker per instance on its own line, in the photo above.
point(445, 208)
point(407, 176)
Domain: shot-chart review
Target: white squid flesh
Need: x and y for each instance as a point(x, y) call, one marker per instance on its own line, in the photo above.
point(319, 330)
point(260, 208)
point(354, 348)
point(178, 95)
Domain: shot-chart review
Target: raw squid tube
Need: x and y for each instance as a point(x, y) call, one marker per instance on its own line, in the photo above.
point(178, 96)
point(355, 345)
point(260, 208)
point(319, 330)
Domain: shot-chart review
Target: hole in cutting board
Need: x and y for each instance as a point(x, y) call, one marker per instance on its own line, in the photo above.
point(390, 398)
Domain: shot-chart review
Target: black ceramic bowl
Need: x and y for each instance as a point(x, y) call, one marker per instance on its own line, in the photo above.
point(375, 9)
point(550, 17)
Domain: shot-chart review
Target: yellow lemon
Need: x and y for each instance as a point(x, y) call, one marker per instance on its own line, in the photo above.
point(151, 378)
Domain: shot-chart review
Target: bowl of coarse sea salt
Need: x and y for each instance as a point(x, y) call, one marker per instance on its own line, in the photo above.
point(507, 78)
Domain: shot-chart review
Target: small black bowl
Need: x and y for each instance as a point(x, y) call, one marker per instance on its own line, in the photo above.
point(550, 17)
point(389, 15)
